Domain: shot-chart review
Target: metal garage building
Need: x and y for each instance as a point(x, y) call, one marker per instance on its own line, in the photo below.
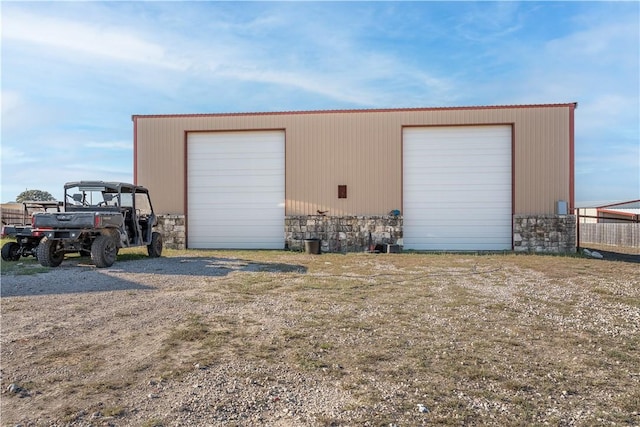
point(467, 178)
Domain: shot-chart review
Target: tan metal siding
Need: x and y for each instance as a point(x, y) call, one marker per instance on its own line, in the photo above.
point(363, 150)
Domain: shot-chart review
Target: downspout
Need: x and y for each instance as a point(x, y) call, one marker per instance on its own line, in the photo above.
point(572, 197)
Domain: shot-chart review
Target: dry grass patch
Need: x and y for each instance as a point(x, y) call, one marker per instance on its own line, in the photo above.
point(478, 339)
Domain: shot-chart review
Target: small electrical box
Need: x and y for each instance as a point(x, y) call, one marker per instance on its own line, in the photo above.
point(562, 207)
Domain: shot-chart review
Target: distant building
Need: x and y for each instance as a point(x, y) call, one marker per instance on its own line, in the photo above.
point(619, 212)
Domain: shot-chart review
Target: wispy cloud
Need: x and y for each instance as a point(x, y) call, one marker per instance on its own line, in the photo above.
point(114, 145)
point(487, 22)
point(75, 37)
point(16, 156)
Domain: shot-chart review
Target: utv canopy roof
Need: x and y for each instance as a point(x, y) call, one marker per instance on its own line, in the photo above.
point(99, 185)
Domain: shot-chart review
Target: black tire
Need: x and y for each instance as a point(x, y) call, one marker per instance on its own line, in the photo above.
point(11, 251)
point(47, 255)
point(154, 249)
point(104, 251)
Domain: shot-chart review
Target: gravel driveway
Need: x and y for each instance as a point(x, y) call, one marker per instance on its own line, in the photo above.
point(79, 275)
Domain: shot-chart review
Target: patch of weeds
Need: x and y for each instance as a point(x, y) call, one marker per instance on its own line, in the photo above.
point(518, 386)
point(326, 346)
point(310, 363)
point(629, 403)
point(279, 268)
point(143, 367)
point(267, 352)
point(113, 411)
point(254, 283)
point(153, 422)
point(70, 415)
point(84, 353)
point(459, 297)
point(194, 330)
point(215, 339)
point(197, 299)
point(499, 306)
point(369, 361)
point(106, 386)
point(123, 314)
point(326, 421)
point(79, 308)
point(630, 301)
point(27, 267)
point(132, 254)
point(8, 307)
point(603, 291)
point(195, 341)
point(621, 356)
point(58, 354)
point(293, 335)
point(90, 366)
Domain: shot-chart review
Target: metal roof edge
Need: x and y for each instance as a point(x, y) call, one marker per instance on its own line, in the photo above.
point(617, 212)
point(618, 204)
point(372, 110)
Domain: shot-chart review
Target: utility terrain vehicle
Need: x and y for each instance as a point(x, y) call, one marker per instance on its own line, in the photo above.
point(99, 218)
point(26, 242)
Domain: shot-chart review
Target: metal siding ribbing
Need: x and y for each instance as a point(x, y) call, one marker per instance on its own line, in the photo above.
point(363, 150)
point(326, 151)
point(160, 163)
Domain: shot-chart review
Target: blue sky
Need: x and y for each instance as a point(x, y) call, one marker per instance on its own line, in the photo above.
point(73, 73)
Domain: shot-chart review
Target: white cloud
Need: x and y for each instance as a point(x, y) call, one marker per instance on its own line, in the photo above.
point(75, 37)
point(113, 145)
point(604, 110)
point(606, 39)
point(14, 156)
point(11, 101)
point(487, 22)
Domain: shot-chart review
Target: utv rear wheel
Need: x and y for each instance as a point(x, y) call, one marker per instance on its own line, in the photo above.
point(47, 253)
point(104, 251)
point(155, 247)
point(11, 251)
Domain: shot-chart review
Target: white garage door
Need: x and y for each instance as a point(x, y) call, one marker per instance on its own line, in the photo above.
point(457, 188)
point(235, 190)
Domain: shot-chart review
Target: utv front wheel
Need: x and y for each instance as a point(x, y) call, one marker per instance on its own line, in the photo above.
point(11, 251)
point(155, 247)
point(47, 254)
point(104, 251)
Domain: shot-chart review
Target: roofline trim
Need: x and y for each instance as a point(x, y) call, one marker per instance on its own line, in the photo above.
point(380, 110)
point(614, 212)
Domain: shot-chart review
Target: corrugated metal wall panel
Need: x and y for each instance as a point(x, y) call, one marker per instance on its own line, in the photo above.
point(363, 150)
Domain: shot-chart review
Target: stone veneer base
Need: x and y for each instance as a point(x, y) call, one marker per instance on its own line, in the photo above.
point(544, 233)
point(531, 233)
point(342, 233)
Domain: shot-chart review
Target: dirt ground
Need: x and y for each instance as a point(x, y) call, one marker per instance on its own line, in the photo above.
point(290, 339)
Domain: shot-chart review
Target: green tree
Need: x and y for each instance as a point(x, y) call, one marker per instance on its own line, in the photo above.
point(39, 195)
